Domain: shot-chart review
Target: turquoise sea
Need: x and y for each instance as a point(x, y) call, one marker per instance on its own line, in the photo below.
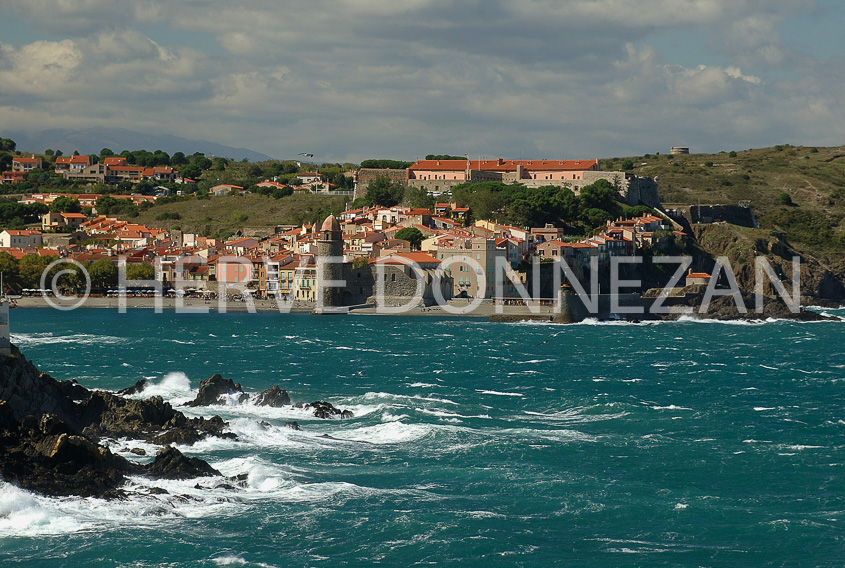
point(473, 443)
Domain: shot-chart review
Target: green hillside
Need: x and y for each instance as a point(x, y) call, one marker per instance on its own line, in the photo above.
point(797, 193)
point(222, 216)
point(812, 177)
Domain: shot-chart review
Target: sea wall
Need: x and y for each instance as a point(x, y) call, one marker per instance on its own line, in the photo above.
point(573, 309)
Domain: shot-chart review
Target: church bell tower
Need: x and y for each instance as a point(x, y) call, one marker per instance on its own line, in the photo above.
point(329, 256)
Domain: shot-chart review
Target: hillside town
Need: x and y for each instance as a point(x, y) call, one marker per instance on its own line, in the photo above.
point(457, 251)
point(284, 265)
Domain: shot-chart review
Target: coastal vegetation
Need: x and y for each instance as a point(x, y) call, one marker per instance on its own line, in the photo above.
point(515, 204)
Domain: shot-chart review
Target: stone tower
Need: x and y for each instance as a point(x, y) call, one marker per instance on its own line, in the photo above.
point(330, 244)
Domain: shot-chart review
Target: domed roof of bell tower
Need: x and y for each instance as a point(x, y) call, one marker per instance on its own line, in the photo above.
point(330, 224)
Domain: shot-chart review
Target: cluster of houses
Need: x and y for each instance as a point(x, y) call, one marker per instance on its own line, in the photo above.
point(110, 170)
point(86, 200)
point(623, 237)
point(468, 258)
point(284, 264)
point(114, 169)
point(307, 182)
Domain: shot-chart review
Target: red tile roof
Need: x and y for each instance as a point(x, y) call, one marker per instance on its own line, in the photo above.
point(418, 257)
point(72, 160)
point(505, 165)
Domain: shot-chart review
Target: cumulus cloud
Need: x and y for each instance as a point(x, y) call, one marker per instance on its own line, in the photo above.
point(98, 68)
point(360, 78)
point(38, 69)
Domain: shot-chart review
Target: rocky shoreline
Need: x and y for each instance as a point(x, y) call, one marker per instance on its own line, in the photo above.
point(721, 308)
point(51, 431)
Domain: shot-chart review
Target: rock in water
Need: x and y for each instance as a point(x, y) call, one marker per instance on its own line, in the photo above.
point(215, 389)
point(152, 420)
point(170, 463)
point(327, 410)
point(274, 396)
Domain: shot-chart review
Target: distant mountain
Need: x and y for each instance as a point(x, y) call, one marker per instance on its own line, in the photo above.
point(92, 140)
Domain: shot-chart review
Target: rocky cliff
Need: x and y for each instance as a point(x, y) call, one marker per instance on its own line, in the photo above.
point(821, 278)
point(50, 432)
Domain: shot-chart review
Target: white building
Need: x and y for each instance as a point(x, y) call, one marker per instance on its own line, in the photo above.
point(20, 239)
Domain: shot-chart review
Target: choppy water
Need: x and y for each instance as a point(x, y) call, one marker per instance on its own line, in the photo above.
point(473, 443)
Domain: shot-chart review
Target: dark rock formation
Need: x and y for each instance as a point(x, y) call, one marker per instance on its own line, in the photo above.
point(134, 389)
point(327, 410)
point(725, 308)
point(170, 463)
point(43, 455)
point(293, 425)
point(153, 420)
point(50, 430)
point(214, 389)
point(49, 434)
point(274, 396)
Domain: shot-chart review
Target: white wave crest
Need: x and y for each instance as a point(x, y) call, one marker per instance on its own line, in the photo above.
point(229, 561)
point(175, 388)
point(596, 321)
point(394, 432)
point(499, 393)
point(446, 414)
point(576, 415)
point(687, 318)
point(387, 398)
point(25, 514)
point(47, 338)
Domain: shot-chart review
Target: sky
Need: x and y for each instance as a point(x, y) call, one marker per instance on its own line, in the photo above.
point(349, 80)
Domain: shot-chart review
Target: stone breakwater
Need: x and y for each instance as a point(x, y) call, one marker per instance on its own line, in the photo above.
point(50, 431)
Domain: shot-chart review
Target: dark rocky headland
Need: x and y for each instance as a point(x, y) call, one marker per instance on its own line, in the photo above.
point(51, 431)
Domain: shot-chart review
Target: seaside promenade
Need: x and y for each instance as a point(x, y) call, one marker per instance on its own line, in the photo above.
point(458, 307)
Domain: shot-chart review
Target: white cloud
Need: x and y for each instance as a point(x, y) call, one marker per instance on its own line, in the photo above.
point(39, 68)
point(357, 78)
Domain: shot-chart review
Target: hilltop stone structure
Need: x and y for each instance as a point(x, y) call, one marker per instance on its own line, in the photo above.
point(440, 176)
point(366, 175)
